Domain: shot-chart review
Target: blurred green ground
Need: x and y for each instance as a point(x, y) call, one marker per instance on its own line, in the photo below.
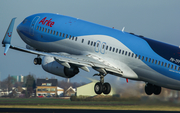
point(56, 103)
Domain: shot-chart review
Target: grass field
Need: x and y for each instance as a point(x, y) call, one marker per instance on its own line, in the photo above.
point(56, 103)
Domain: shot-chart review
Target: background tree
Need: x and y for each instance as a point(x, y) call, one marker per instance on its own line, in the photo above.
point(30, 84)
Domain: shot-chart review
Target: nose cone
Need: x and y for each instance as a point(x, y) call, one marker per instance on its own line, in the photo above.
point(18, 29)
point(22, 28)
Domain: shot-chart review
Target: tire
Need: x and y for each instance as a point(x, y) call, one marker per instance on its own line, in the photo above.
point(149, 89)
point(157, 90)
point(106, 88)
point(98, 88)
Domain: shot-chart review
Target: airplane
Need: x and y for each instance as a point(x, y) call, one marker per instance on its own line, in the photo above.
point(64, 45)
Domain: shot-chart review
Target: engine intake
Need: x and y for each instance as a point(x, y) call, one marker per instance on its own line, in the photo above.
point(51, 66)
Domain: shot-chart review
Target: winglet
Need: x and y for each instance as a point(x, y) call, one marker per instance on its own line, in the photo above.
point(7, 38)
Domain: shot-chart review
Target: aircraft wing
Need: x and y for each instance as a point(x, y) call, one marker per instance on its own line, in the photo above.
point(81, 61)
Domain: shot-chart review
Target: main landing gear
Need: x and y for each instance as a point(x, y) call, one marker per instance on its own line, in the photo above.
point(37, 61)
point(101, 87)
point(150, 89)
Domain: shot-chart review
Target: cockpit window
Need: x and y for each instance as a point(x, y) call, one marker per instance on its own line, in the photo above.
point(24, 21)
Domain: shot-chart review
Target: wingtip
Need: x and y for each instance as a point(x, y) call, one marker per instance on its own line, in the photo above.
point(5, 54)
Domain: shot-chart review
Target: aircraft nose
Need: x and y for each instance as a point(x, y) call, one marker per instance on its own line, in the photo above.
point(18, 28)
point(23, 26)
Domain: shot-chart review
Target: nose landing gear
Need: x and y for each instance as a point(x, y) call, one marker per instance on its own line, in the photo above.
point(101, 87)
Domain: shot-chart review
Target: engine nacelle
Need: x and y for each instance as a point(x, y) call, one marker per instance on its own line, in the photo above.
point(51, 66)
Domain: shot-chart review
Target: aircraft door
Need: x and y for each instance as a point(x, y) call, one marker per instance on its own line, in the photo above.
point(33, 23)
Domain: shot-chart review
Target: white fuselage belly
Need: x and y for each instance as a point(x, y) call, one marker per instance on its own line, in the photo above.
point(133, 68)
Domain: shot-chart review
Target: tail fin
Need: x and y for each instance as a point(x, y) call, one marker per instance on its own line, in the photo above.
point(7, 38)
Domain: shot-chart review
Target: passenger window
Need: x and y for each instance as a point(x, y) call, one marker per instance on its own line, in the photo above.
point(88, 42)
point(152, 61)
point(48, 31)
point(168, 65)
point(119, 51)
point(149, 59)
point(53, 32)
point(56, 33)
point(94, 43)
point(142, 57)
point(63, 35)
point(178, 68)
point(129, 54)
point(113, 49)
point(126, 53)
point(69, 36)
point(132, 55)
point(97, 44)
point(162, 63)
point(116, 50)
point(122, 52)
point(60, 34)
point(43, 29)
point(103, 46)
point(37, 27)
point(106, 47)
point(82, 40)
point(146, 59)
point(159, 62)
point(76, 39)
point(91, 43)
point(139, 57)
point(165, 64)
point(136, 56)
point(155, 61)
point(171, 66)
point(175, 67)
point(110, 48)
point(73, 38)
point(66, 35)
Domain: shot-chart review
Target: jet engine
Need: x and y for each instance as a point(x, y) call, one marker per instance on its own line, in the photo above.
point(51, 66)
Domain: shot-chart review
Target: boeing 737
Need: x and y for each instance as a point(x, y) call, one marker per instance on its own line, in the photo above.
point(67, 44)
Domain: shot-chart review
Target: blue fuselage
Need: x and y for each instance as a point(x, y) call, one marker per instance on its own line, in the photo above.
point(139, 58)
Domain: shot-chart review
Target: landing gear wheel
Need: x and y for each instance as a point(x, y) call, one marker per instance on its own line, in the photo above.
point(37, 61)
point(149, 89)
point(98, 88)
point(157, 90)
point(106, 88)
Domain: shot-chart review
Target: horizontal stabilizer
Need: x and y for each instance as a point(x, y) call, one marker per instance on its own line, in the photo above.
point(6, 48)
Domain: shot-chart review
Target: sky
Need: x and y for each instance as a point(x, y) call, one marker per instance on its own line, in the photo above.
point(155, 19)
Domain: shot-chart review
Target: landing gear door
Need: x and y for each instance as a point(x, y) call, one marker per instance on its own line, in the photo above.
point(32, 26)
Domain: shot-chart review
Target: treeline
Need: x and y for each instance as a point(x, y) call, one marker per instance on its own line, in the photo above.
point(30, 84)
